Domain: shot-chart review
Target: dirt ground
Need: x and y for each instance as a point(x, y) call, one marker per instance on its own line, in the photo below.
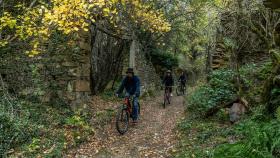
point(153, 136)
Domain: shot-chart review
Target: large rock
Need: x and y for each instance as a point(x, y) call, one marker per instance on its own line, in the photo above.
point(236, 111)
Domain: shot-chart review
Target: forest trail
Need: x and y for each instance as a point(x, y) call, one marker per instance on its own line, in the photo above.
point(154, 136)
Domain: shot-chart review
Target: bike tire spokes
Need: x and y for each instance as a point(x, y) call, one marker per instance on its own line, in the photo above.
point(168, 97)
point(123, 116)
point(122, 120)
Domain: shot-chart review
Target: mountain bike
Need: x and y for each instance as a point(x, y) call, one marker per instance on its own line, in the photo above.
point(180, 89)
point(123, 115)
point(167, 96)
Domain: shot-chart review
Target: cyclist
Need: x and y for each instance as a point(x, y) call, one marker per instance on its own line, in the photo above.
point(183, 79)
point(168, 81)
point(131, 84)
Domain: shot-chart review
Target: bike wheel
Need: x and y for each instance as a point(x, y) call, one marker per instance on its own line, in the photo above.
point(139, 109)
point(169, 98)
point(122, 120)
point(177, 91)
point(182, 90)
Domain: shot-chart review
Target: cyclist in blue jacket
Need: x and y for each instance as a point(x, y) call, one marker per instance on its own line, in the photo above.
point(131, 84)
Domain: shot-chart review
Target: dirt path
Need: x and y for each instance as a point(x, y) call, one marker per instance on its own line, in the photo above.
point(154, 136)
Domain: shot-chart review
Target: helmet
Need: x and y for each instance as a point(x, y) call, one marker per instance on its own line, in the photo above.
point(168, 71)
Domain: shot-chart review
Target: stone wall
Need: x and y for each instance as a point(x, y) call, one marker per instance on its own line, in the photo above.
point(62, 75)
point(75, 83)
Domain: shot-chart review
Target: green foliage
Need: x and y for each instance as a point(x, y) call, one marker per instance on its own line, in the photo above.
point(163, 60)
point(33, 129)
point(230, 43)
point(35, 145)
point(255, 137)
point(278, 113)
point(108, 94)
point(14, 127)
point(258, 136)
point(80, 128)
point(261, 140)
point(199, 137)
point(220, 89)
point(105, 116)
point(275, 98)
point(265, 70)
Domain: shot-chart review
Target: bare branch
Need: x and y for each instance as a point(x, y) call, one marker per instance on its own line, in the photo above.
point(32, 3)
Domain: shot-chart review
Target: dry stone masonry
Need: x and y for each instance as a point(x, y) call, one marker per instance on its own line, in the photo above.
point(63, 74)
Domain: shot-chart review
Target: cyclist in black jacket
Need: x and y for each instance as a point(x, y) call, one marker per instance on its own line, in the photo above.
point(168, 81)
point(183, 79)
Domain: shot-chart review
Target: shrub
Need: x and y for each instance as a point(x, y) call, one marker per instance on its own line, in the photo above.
point(220, 89)
point(14, 127)
point(163, 60)
point(35, 129)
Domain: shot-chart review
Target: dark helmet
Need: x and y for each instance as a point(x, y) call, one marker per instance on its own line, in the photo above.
point(130, 70)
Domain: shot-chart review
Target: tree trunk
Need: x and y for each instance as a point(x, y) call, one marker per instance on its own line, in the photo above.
point(106, 53)
point(235, 51)
point(269, 83)
point(209, 61)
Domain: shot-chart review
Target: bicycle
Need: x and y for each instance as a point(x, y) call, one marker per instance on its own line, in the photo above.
point(181, 89)
point(167, 96)
point(123, 115)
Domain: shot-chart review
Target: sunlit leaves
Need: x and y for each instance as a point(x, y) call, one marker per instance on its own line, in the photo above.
point(6, 21)
point(152, 19)
point(68, 15)
point(73, 16)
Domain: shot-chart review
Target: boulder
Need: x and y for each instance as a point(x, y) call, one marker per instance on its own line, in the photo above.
point(236, 111)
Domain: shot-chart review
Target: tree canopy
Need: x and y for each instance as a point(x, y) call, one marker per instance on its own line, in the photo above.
point(42, 18)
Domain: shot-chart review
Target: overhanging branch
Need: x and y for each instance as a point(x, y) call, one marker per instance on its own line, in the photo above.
point(102, 29)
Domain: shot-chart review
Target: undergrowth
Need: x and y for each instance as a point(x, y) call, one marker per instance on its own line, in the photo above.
point(220, 89)
point(29, 129)
point(256, 136)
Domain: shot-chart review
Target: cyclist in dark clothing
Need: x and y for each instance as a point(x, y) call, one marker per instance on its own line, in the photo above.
point(131, 84)
point(168, 81)
point(183, 79)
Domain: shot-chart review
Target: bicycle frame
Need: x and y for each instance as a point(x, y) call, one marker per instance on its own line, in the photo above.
point(167, 89)
point(180, 88)
point(128, 104)
point(167, 94)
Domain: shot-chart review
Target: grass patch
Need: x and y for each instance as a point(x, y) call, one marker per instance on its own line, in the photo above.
point(104, 117)
point(199, 137)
